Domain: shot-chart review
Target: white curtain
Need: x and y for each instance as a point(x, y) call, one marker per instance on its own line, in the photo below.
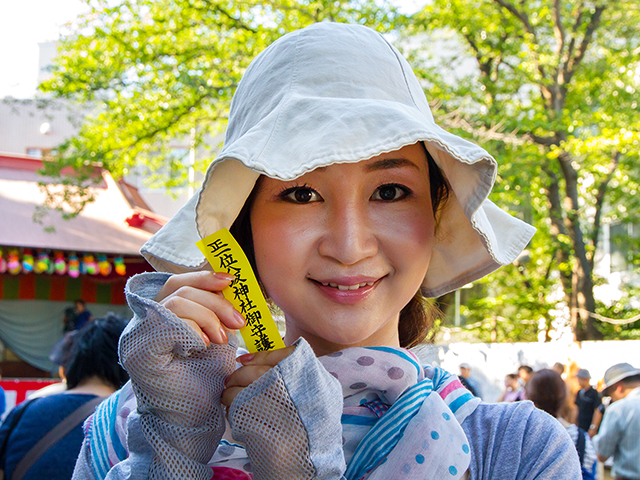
point(30, 328)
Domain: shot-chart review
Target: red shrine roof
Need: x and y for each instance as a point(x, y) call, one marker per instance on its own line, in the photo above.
point(117, 222)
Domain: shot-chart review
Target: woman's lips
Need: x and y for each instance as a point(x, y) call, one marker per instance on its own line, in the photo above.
point(348, 293)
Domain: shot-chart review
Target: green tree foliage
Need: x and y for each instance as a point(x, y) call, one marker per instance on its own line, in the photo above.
point(160, 70)
point(551, 88)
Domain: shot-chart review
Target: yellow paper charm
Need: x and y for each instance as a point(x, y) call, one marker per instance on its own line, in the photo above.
point(225, 255)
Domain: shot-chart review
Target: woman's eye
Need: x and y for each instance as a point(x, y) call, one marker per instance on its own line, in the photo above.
point(390, 193)
point(300, 195)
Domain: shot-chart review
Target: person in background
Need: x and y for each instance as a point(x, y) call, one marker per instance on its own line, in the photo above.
point(61, 356)
point(569, 410)
point(558, 367)
point(512, 391)
point(619, 433)
point(547, 391)
point(468, 382)
point(524, 374)
point(92, 373)
point(587, 400)
point(597, 417)
point(69, 320)
point(82, 314)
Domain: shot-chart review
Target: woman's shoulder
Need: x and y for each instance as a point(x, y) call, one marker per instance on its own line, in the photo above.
point(510, 440)
point(514, 419)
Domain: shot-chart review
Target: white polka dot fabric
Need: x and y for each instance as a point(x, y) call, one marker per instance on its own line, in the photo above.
point(398, 419)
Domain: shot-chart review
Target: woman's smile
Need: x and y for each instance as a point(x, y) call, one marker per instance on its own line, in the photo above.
point(348, 291)
point(342, 249)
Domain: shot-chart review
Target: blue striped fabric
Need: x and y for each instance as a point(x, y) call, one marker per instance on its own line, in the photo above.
point(400, 353)
point(387, 431)
point(358, 420)
point(103, 434)
point(460, 401)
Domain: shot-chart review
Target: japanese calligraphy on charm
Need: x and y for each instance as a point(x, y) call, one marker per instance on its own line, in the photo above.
point(225, 255)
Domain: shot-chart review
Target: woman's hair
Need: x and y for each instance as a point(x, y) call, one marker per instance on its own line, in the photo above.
point(547, 391)
point(511, 376)
point(95, 353)
point(417, 317)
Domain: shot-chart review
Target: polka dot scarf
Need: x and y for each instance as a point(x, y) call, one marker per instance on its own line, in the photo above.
point(400, 420)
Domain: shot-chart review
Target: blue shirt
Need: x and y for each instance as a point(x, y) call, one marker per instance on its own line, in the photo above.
point(619, 436)
point(41, 416)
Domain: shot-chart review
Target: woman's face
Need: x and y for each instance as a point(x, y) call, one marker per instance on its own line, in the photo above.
point(342, 249)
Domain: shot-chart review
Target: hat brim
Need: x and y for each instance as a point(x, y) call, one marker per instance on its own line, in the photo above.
point(606, 389)
point(311, 100)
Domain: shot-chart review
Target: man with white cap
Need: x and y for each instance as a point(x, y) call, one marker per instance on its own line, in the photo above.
point(619, 434)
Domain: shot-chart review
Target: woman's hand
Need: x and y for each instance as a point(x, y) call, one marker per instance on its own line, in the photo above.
point(254, 365)
point(196, 298)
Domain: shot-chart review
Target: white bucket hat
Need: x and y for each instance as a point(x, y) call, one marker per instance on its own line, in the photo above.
point(336, 93)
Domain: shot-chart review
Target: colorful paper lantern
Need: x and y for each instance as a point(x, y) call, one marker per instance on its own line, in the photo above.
point(89, 264)
point(74, 266)
point(27, 261)
point(103, 265)
point(60, 266)
point(42, 263)
point(13, 262)
point(120, 267)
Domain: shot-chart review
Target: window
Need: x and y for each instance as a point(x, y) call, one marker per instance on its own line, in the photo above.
point(39, 152)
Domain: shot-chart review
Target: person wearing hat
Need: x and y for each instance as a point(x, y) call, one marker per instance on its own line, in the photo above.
point(468, 382)
point(587, 399)
point(619, 433)
point(353, 206)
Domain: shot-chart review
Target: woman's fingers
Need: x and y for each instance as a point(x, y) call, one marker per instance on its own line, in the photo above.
point(198, 317)
point(270, 358)
point(240, 379)
point(254, 365)
point(210, 281)
point(228, 395)
point(223, 309)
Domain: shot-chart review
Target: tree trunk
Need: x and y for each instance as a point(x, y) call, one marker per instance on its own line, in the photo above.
point(583, 300)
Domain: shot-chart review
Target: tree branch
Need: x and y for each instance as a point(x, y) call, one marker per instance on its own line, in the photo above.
point(574, 63)
point(544, 141)
point(455, 119)
point(524, 19)
point(600, 196)
point(557, 27)
point(519, 15)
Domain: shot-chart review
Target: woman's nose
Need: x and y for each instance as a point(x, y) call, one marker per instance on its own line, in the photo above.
point(349, 235)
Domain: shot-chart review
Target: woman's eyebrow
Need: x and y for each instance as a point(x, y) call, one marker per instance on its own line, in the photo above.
point(388, 163)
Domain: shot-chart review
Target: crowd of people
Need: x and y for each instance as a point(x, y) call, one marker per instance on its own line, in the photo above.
point(603, 423)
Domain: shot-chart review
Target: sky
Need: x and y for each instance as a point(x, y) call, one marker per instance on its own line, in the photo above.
point(25, 23)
